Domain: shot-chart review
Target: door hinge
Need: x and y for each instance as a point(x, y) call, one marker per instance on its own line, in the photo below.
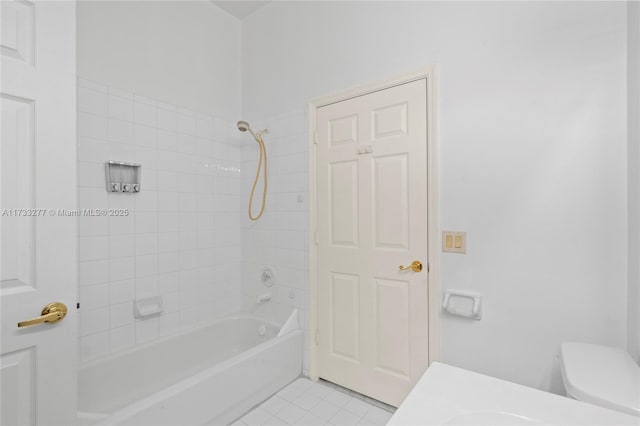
point(315, 238)
point(315, 138)
point(317, 337)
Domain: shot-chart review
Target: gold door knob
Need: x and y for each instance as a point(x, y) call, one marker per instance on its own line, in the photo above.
point(415, 266)
point(51, 313)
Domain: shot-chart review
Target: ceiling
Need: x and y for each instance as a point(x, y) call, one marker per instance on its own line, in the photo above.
point(240, 8)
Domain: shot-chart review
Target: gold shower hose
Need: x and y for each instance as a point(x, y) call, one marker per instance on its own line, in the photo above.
point(263, 158)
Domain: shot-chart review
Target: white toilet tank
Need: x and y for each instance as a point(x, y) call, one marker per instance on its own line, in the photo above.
point(601, 375)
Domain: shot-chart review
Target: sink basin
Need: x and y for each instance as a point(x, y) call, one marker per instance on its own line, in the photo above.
point(447, 395)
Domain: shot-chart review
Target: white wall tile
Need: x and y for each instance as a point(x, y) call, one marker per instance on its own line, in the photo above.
point(93, 248)
point(146, 157)
point(146, 329)
point(167, 181)
point(122, 291)
point(146, 286)
point(169, 282)
point(187, 144)
point(146, 264)
point(93, 85)
point(204, 184)
point(92, 198)
point(144, 111)
point(187, 202)
point(220, 128)
point(94, 346)
point(120, 131)
point(92, 126)
point(146, 244)
point(121, 152)
point(168, 221)
point(146, 201)
point(93, 226)
point(187, 182)
point(146, 222)
point(121, 93)
point(168, 141)
point(167, 118)
point(122, 338)
point(120, 108)
point(168, 262)
point(121, 314)
point(122, 268)
point(121, 245)
point(92, 150)
point(168, 323)
point(188, 317)
point(186, 121)
point(149, 180)
point(121, 224)
point(144, 136)
point(167, 160)
point(168, 242)
point(92, 101)
point(91, 175)
point(204, 126)
point(171, 301)
point(188, 240)
point(93, 272)
point(188, 221)
point(93, 321)
point(167, 201)
point(94, 296)
point(188, 260)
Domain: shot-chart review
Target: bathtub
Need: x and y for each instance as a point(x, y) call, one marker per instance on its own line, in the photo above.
point(211, 375)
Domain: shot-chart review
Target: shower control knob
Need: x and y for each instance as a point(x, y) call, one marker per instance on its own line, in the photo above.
point(115, 187)
point(127, 187)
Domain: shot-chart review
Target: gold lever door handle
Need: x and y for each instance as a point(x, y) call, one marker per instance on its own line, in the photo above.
point(415, 266)
point(51, 313)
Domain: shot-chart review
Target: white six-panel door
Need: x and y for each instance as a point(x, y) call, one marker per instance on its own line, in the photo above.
point(37, 177)
point(371, 218)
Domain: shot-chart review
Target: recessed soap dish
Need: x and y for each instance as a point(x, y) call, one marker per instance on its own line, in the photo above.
point(463, 303)
point(123, 177)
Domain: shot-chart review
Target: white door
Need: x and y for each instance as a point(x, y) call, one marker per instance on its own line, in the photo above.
point(371, 218)
point(38, 244)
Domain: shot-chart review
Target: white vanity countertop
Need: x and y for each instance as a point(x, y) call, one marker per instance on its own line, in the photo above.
point(447, 395)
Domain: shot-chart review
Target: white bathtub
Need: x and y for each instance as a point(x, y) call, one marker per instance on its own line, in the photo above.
point(211, 375)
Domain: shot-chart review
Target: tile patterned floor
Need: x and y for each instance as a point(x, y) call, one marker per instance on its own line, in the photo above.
point(308, 403)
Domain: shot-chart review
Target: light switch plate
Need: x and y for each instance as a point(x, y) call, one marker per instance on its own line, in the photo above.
point(454, 242)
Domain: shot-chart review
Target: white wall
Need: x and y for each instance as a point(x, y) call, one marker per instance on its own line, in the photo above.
point(633, 117)
point(181, 52)
point(533, 153)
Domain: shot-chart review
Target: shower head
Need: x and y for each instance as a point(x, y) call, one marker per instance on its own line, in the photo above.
point(243, 126)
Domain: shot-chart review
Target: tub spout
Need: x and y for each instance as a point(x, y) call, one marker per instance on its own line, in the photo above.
point(263, 298)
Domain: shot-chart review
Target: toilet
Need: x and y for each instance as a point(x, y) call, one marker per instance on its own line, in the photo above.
point(601, 375)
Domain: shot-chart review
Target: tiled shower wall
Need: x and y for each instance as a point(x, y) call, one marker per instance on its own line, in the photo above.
point(181, 239)
point(280, 238)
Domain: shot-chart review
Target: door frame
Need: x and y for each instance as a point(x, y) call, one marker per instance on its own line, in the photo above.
point(430, 74)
